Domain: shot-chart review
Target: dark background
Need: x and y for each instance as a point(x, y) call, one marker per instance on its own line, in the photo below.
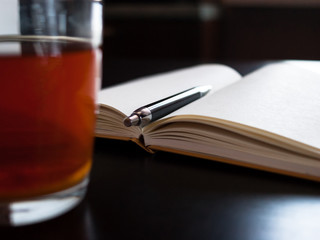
point(212, 30)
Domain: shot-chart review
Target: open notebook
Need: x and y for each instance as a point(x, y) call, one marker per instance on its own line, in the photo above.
point(268, 119)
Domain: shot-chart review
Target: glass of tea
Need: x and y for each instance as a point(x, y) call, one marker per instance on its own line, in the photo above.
point(49, 76)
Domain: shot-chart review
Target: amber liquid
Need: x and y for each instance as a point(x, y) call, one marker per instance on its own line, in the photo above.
point(47, 105)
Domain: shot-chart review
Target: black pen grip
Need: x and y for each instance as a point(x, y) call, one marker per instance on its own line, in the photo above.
point(161, 110)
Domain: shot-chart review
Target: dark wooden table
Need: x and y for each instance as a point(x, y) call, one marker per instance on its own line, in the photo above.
point(137, 195)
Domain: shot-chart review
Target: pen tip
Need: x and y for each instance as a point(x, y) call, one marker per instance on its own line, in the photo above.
point(132, 120)
point(127, 122)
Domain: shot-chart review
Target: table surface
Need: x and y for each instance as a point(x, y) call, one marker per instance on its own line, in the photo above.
point(137, 195)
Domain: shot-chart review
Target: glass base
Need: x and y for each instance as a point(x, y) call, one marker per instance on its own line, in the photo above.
point(42, 208)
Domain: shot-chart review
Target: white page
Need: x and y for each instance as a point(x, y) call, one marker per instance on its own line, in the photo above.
point(283, 99)
point(130, 96)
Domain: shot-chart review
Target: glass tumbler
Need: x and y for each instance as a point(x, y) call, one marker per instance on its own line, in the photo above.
point(49, 76)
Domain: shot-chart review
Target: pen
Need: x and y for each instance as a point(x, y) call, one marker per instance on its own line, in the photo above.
point(156, 110)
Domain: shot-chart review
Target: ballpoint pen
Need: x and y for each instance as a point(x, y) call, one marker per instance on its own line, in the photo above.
point(156, 110)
